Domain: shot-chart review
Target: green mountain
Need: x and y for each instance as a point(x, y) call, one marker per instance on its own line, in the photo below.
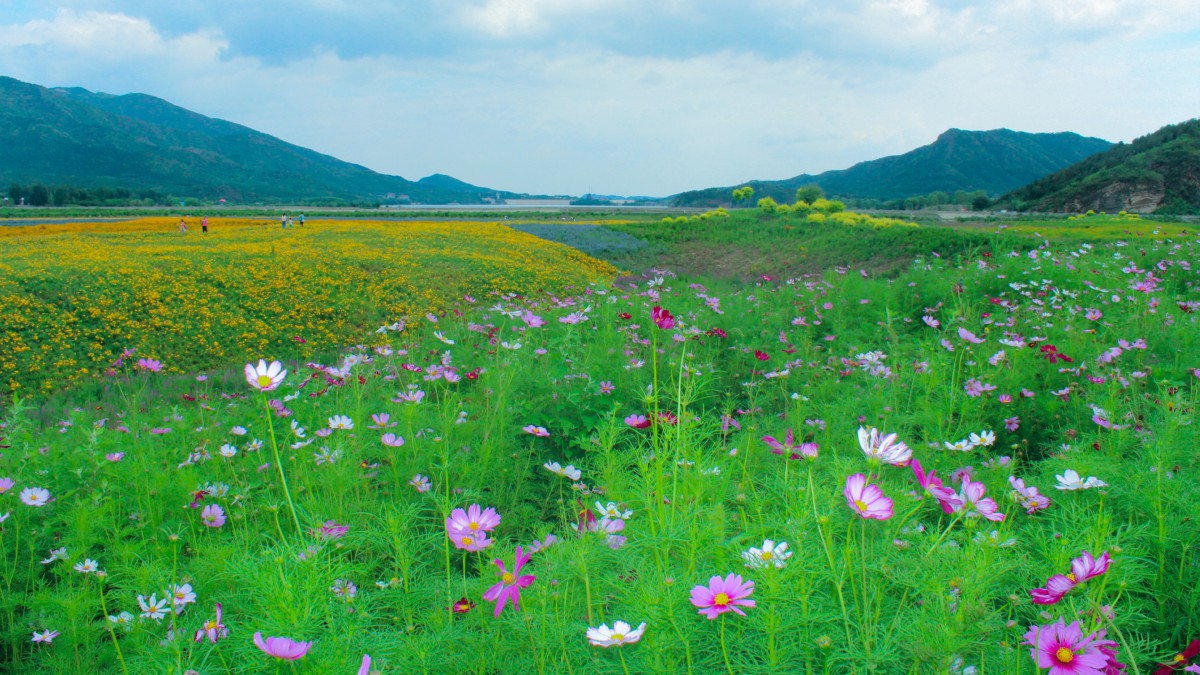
point(1157, 173)
point(994, 161)
point(84, 139)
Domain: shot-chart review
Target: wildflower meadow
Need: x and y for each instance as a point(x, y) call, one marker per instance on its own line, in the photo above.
point(521, 462)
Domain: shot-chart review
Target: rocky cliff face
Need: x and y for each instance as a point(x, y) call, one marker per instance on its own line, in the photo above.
point(1119, 196)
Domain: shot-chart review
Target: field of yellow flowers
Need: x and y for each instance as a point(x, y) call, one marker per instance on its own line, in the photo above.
point(74, 296)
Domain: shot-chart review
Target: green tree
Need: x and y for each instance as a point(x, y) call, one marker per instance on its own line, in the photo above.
point(39, 195)
point(15, 193)
point(768, 205)
point(743, 194)
point(809, 193)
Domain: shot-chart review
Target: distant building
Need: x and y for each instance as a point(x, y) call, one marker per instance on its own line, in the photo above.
point(538, 202)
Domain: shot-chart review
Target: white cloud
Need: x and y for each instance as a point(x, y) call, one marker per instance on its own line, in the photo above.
point(518, 107)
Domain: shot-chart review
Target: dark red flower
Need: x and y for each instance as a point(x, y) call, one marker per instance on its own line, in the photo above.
point(625, 315)
point(1181, 659)
point(662, 318)
point(761, 355)
point(462, 606)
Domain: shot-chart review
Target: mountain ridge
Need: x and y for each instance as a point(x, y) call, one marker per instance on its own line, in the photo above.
point(73, 136)
point(995, 161)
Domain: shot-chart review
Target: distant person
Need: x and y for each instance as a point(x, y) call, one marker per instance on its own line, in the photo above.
point(204, 225)
point(182, 226)
point(283, 222)
point(301, 220)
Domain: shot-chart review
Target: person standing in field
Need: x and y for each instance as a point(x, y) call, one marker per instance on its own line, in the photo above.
point(182, 226)
point(204, 225)
point(301, 220)
point(283, 222)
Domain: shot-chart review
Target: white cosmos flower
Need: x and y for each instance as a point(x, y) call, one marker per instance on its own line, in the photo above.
point(87, 566)
point(611, 510)
point(265, 377)
point(770, 554)
point(153, 608)
point(438, 334)
point(880, 448)
point(227, 451)
point(1071, 480)
point(341, 422)
point(620, 634)
point(960, 446)
point(984, 438)
point(566, 472)
point(35, 496)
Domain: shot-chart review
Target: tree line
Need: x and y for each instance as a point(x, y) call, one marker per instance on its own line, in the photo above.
point(39, 194)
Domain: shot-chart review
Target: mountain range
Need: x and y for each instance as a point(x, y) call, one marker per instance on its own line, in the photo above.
point(994, 161)
point(76, 137)
point(1157, 173)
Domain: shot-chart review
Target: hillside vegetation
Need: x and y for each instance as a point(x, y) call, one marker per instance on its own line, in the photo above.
point(1157, 173)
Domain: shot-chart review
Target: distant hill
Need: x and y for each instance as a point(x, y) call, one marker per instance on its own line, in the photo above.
point(994, 161)
point(85, 139)
point(1157, 173)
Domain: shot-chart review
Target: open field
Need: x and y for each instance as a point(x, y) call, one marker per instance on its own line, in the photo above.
point(155, 520)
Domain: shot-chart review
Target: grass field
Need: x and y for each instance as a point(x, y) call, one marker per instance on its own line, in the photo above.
point(645, 439)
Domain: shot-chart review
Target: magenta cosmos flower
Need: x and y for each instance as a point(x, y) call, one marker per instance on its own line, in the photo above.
point(510, 584)
point(1082, 568)
point(788, 447)
point(867, 500)
point(213, 516)
point(281, 647)
point(213, 629)
point(723, 595)
point(1066, 651)
point(265, 377)
point(947, 498)
point(662, 318)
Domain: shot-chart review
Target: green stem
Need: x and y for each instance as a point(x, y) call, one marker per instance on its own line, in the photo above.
point(279, 463)
point(108, 624)
point(724, 651)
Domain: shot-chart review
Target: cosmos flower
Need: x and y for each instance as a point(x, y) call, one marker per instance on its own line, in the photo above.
point(620, 634)
point(1027, 496)
point(511, 583)
point(1064, 650)
point(212, 516)
point(212, 629)
point(1071, 480)
point(662, 318)
point(723, 595)
point(281, 647)
point(880, 448)
point(421, 483)
point(392, 440)
point(263, 377)
point(35, 496)
point(637, 421)
point(771, 554)
point(566, 472)
point(866, 500)
point(47, 636)
point(153, 608)
point(535, 430)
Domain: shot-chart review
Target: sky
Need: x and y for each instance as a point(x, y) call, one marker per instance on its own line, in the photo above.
point(628, 97)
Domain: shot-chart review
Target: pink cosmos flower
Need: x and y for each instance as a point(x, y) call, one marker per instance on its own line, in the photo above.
point(263, 377)
point(281, 647)
point(115, 456)
point(947, 498)
point(1012, 423)
point(212, 629)
point(213, 516)
point(975, 504)
point(662, 318)
point(1066, 651)
point(969, 336)
point(421, 483)
point(469, 541)
point(46, 636)
point(1082, 568)
point(474, 520)
point(151, 365)
point(867, 500)
point(637, 421)
point(5, 485)
point(392, 440)
point(535, 430)
point(35, 496)
point(510, 585)
point(365, 667)
point(1027, 496)
point(723, 595)
point(330, 529)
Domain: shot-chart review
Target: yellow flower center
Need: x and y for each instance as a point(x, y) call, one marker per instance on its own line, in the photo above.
point(264, 380)
point(507, 578)
point(766, 555)
point(618, 636)
point(1071, 576)
point(1064, 655)
point(211, 624)
point(467, 541)
point(721, 600)
point(474, 526)
point(862, 506)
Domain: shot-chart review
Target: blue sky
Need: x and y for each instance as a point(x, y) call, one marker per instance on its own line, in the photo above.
point(625, 96)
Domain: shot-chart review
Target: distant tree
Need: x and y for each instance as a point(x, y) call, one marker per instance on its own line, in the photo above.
point(39, 195)
point(828, 206)
point(937, 198)
point(743, 194)
point(767, 205)
point(980, 203)
point(809, 193)
point(15, 193)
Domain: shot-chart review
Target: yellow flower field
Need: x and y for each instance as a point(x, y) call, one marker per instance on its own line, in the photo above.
point(72, 297)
